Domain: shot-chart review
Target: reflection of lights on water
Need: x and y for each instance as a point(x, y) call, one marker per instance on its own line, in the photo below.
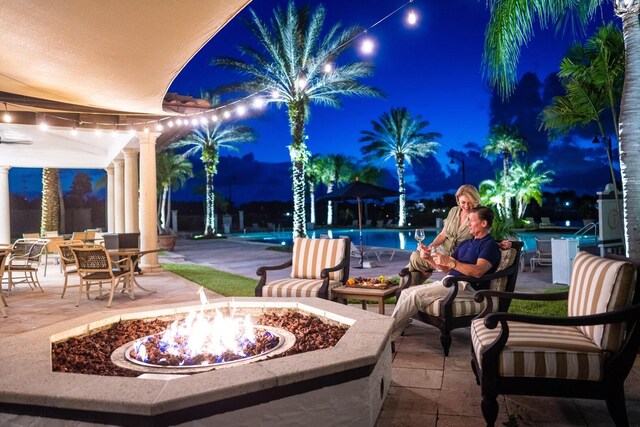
point(403, 240)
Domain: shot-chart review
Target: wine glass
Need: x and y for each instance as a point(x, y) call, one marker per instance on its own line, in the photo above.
point(419, 235)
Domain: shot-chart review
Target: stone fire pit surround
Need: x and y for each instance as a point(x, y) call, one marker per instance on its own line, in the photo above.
point(334, 386)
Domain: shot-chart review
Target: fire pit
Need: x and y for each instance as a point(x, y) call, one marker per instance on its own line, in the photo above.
point(352, 378)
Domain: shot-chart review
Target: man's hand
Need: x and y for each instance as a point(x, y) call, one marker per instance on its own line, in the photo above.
point(505, 244)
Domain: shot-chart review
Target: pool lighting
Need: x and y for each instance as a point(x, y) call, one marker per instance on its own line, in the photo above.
point(283, 244)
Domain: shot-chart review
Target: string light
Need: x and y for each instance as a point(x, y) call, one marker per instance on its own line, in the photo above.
point(257, 101)
point(6, 117)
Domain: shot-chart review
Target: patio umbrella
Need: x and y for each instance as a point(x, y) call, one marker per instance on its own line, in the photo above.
point(360, 190)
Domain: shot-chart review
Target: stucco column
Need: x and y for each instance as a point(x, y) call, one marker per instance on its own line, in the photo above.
point(5, 209)
point(131, 190)
point(111, 220)
point(148, 206)
point(118, 194)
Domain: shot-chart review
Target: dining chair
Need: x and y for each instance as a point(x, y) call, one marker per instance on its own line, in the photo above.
point(586, 355)
point(67, 260)
point(3, 302)
point(25, 259)
point(94, 266)
point(317, 266)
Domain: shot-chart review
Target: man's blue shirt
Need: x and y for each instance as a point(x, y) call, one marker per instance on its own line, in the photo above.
point(469, 251)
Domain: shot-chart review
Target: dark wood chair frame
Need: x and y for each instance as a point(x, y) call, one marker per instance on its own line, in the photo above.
point(324, 273)
point(616, 366)
point(445, 321)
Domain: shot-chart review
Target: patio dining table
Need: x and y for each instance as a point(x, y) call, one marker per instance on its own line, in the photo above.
point(134, 254)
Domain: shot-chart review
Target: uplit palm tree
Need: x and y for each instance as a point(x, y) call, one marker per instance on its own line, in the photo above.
point(492, 193)
point(527, 182)
point(313, 172)
point(50, 216)
point(399, 136)
point(592, 76)
point(172, 172)
point(297, 66)
point(337, 169)
point(504, 139)
point(511, 26)
point(208, 141)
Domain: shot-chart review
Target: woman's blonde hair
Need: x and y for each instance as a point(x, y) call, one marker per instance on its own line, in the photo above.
point(471, 192)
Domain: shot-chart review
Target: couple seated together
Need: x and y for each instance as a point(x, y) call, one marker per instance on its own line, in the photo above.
point(466, 248)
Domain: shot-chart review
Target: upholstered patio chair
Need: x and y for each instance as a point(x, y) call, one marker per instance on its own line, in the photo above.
point(585, 355)
point(455, 312)
point(94, 266)
point(25, 260)
point(317, 266)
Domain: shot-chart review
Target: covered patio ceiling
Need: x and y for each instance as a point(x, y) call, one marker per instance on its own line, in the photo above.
point(71, 59)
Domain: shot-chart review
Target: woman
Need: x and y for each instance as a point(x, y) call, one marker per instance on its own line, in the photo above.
point(455, 231)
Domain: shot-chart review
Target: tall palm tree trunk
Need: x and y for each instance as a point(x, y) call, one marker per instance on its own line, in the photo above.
point(330, 205)
point(402, 199)
point(312, 202)
point(209, 207)
point(163, 208)
point(508, 214)
point(299, 155)
point(50, 200)
point(630, 128)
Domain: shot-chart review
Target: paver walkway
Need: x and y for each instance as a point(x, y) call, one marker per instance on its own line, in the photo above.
point(428, 389)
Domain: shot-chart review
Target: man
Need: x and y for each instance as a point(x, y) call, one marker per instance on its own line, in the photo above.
point(474, 257)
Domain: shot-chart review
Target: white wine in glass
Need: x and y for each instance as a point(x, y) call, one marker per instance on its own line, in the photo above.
point(419, 235)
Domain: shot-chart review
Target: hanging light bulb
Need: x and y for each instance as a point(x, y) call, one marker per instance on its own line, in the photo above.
point(43, 125)
point(98, 132)
point(258, 103)
point(214, 118)
point(194, 122)
point(146, 129)
point(132, 131)
point(412, 17)
point(241, 110)
point(159, 127)
point(170, 123)
point(204, 120)
point(328, 67)
point(74, 130)
point(6, 117)
point(367, 46)
point(226, 114)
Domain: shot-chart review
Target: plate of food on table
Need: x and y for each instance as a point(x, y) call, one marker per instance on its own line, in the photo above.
point(380, 282)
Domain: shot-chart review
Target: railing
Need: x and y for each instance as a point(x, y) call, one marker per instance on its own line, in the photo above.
point(584, 230)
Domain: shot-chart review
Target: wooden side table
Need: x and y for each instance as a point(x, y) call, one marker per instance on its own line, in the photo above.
point(364, 295)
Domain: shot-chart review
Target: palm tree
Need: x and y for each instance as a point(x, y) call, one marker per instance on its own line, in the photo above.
point(492, 193)
point(337, 169)
point(504, 139)
point(172, 172)
point(50, 216)
point(399, 136)
point(527, 183)
point(592, 76)
point(511, 26)
point(292, 68)
point(208, 141)
point(313, 172)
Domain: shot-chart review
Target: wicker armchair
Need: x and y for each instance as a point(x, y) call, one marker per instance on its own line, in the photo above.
point(94, 266)
point(452, 313)
point(25, 260)
point(585, 355)
point(317, 266)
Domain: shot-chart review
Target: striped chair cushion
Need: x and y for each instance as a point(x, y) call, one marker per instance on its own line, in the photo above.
point(542, 351)
point(296, 288)
point(600, 285)
point(310, 256)
point(466, 306)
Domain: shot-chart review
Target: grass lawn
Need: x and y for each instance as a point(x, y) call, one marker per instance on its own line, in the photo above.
point(225, 284)
point(541, 308)
point(232, 285)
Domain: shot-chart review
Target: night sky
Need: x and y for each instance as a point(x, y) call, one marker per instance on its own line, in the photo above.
point(433, 69)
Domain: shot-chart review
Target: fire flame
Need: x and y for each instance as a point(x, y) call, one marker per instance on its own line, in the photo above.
point(198, 335)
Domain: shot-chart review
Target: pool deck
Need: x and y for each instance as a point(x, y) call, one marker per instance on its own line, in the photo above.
point(427, 388)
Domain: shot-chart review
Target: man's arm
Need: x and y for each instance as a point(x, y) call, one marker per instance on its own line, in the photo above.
point(476, 270)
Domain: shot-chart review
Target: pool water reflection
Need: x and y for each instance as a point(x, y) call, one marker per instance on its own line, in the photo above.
point(396, 239)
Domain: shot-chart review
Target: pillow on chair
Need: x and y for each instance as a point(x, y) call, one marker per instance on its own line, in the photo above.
point(310, 256)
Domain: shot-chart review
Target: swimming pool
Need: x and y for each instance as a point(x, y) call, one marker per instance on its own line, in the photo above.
point(396, 239)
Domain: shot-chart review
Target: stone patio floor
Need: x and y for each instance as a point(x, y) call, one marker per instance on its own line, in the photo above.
point(428, 389)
